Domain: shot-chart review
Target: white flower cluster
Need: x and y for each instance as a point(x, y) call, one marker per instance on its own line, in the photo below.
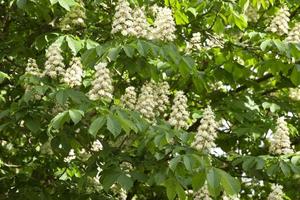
point(280, 23)
point(195, 43)
point(294, 94)
point(179, 115)
point(146, 101)
point(54, 65)
point(122, 21)
point(102, 84)
point(140, 25)
point(162, 97)
point(71, 156)
point(213, 41)
point(128, 99)
point(74, 18)
point(164, 25)
point(206, 135)
point(251, 14)
point(32, 67)
point(97, 146)
point(119, 192)
point(294, 34)
point(277, 193)
point(74, 74)
point(202, 194)
point(280, 143)
point(226, 197)
point(134, 22)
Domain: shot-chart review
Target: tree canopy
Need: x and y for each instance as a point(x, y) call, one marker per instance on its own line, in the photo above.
point(144, 99)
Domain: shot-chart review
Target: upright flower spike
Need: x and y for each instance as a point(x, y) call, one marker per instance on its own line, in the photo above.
point(277, 193)
point(102, 84)
point(162, 97)
point(280, 23)
point(202, 194)
point(280, 143)
point(207, 133)
point(122, 21)
point(74, 74)
point(146, 101)
point(128, 99)
point(294, 34)
point(179, 115)
point(54, 65)
point(140, 25)
point(32, 67)
point(164, 25)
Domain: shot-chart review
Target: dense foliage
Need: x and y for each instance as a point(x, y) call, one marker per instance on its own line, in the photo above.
point(149, 99)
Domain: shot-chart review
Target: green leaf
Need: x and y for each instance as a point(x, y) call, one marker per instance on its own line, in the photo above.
point(125, 181)
point(3, 76)
point(129, 50)
point(230, 184)
point(171, 190)
point(113, 53)
point(76, 115)
point(74, 45)
point(113, 125)
point(66, 4)
point(52, 2)
point(21, 3)
point(187, 162)
point(295, 76)
point(266, 44)
point(61, 97)
point(142, 48)
point(33, 125)
point(174, 162)
point(198, 180)
point(285, 168)
point(213, 182)
point(109, 177)
point(96, 125)
point(59, 120)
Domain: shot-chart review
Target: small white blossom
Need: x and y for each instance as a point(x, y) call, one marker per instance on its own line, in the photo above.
point(294, 34)
point(140, 25)
point(202, 194)
point(128, 99)
point(179, 115)
point(74, 18)
point(280, 23)
point(164, 25)
point(122, 21)
point(102, 84)
point(74, 74)
point(213, 41)
point(32, 67)
point(294, 94)
point(54, 65)
point(146, 101)
point(71, 156)
point(97, 146)
point(207, 133)
point(280, 143)
point(277, 193)
point(194, 44)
